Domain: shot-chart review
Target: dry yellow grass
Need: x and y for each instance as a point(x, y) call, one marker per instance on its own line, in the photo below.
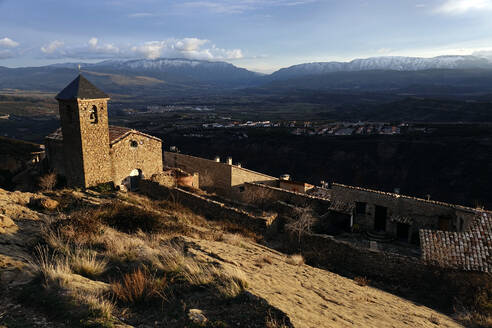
point(317, 298)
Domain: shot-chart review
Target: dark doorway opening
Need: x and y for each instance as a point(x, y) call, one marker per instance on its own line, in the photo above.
point(135, 177)
point(402, 230)
point(380, 216)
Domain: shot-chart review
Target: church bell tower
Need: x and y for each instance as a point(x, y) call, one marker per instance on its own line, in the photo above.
point(84, 121)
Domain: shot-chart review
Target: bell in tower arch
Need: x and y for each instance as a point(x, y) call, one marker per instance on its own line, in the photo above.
point(93, 118)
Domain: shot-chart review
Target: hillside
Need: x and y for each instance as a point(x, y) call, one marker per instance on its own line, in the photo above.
point(210, 267)
point(169, 79)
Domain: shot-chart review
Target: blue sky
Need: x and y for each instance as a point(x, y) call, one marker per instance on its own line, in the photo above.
point(261, 35)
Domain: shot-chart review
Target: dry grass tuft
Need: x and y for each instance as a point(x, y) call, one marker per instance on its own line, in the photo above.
point(86, 263)
point(272, 322)
point(99, 307)
point(231, 282)
point(361, 281)
point(295, 259)
point(51, 266)
point(48, 181)
point(138, 287)
point(434, 319)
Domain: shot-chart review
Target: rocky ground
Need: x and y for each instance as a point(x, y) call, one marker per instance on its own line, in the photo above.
point(309, 297)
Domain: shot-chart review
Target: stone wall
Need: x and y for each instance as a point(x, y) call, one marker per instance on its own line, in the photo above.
point(211, 209)
point(55, 156)
point(146, 157)
point(254, 193)
point(224, 177)
point(85, 142)
point(211, 174)
point(441, 286)
point(417, 213)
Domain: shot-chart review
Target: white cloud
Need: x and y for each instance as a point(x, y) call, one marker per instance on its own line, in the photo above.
point(4, 54)
point(140, 15)
point(8, 43)
point(463, 6)
point(52, 47)
point(236, 7)
point(93, 42)
point(487, 54)
point(191, 48)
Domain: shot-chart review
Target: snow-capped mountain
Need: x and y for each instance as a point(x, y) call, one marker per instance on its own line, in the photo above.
point(384, 63)
point(174, 69)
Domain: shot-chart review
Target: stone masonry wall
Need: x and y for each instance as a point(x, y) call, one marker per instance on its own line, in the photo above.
point(423, 213)
point(211, 209)
point(85, 142)
point(147, 157)
point(95, 142)
point(72, 143)
point(221, 176)
point(56, 156)
point(211, 173)
point(254, 192)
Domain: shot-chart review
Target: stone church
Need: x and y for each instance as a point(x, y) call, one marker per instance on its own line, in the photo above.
point(87, 151)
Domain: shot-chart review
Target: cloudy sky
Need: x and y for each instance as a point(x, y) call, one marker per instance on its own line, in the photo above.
point(261, 35)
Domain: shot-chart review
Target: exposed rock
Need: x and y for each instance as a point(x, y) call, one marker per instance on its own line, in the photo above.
point(197, 316)
point(44, 202)
point(6, 223)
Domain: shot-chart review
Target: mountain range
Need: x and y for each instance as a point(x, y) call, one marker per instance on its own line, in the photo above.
point(182, 77)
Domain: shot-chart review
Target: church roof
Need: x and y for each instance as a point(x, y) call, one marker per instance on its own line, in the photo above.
point(80, 88)
point(116, 133)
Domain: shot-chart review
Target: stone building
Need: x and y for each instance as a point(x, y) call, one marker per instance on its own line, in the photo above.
point(398, 216)
point(88, 151)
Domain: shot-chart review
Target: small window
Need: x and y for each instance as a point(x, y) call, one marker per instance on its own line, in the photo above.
point(241, 188)
point(93, 115)
point(133, 144)
point(360, 207)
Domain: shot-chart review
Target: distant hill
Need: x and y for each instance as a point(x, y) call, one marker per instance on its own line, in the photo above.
point(183, 78)
point(389, 63)
point(418, 82)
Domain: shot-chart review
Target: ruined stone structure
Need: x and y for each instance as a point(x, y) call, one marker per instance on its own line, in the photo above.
point(397, 215)
point(87, 151)
point(223, 177)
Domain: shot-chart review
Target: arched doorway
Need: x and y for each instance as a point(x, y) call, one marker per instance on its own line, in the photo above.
point(135, 177)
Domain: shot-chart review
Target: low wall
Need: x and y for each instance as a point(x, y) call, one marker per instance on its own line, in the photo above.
point(211, 209)
point(259, 193)
point(436, 285)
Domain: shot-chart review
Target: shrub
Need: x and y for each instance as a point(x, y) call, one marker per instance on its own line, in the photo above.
point(434, 319)
point(129, 219)
point(295, 259)
point(104, 188)
point(138, 288)
point(48, 181)
point(361, 281)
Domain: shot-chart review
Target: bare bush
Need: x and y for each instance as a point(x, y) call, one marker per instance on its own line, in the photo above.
point(48, 181)
point(302, 224)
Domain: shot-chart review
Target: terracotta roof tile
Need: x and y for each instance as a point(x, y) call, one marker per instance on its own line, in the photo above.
point(470, 250)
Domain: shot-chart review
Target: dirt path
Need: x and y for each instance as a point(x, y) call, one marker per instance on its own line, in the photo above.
point(317, 298)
